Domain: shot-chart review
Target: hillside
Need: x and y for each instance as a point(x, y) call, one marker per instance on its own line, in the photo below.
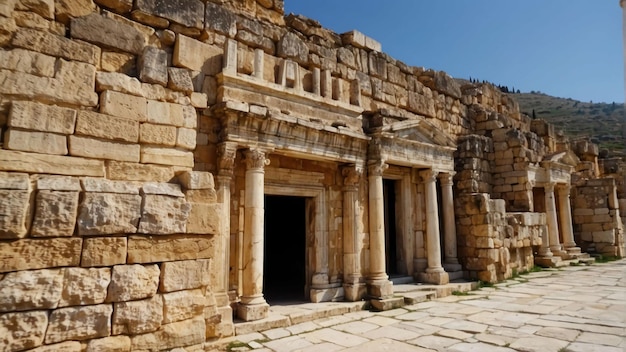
point(604, 123)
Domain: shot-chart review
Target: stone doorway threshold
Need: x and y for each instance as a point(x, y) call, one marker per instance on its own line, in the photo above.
point(291, 313)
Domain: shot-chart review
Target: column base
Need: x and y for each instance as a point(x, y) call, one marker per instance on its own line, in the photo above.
point(354, 292)
point(250, 312)
point(547, 262)
point(380, 289)
point(225, 327)
point(434, 277)
point(332, 293)
point(387, 303)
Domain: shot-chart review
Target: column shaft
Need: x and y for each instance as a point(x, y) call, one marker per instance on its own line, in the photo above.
point(432, 222)
point(566, 217)
point(378, 269)
point(353, 287)
point(552, 220)
point(449, 223)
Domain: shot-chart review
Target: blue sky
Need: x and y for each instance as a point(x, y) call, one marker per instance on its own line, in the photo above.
point(566, 48)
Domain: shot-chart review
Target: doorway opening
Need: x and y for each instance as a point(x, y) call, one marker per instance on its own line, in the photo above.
point(393, 242)
point(284, 266)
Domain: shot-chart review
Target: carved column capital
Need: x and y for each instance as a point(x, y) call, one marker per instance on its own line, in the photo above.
point(564, 189)
point(351, 175)
point(256, 159)
point(549, 187)
point(377, 168)
point(447, 178)
point(429, 175)
point(226, 153)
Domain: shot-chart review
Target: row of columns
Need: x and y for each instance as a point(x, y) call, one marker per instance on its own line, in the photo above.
point(551, 244)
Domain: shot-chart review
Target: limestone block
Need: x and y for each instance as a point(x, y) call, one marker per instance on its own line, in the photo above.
point(38, 254)
point(183, 333)
point(37, 163)
point(36, 142)
point(117, 170)
point(68, 9)
point(133, 282)
point(79, 323)
point(104, 251)
point(138, 317)
point(201, 196)
point(44, 8)
point(108, 213)
point(166, 156)
point(185, 275)
point(360, 40)
point(163, 215)
point(159, 112)
point(109, 344)
point(28, 62)
point(199, 100)
point(41, 117)
point(292, 47)
point(183, 116)
point(189, 13)
point(101, 185)
point(220, 19)
point(152, 66)
point(124, 105)
point(157, 134)
point(150, 249)
point(119, 6)
point(186, 138)
point(20, 331)
point(54, 45)
point(108, 32)
point(205, 218)
point(55, 214)
point(27, 290)
point(166, 189)
point(93, 148)
point(69, 346)
point(183, 305)
point(118, 62)
point(196, 180)
point(118, 82)
point(14, 181)
point(179, 80)
point(91, 123)
point(14, 212)
point(196, 55)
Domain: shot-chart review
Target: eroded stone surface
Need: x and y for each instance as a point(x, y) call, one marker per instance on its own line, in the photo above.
point(85, 286)
point(20, 331)
point(79, 323)
point(185, 275)
point(28, 290)
point(132, 282)
point(55, 214)
point(138, 317)
point(163, 215)
point(108, 213)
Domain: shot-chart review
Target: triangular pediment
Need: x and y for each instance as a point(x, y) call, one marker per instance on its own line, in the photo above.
point(418, 131)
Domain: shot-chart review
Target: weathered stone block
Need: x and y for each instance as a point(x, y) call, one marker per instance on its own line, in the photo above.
point(292, 47)
point(104, 251)
point(117, 170)
point(189, 13)
point(69, 346)
point(85, 286)
point(108, 127)
point(138, 317)
point(205, 218)
point(163, 215)
point(36, 142)
point(98, 149)
point(14, 213)
point(183, 116)
point(185, 275)
point(124, 105)
point(186, 138)
point(39, 163)
point(119, 6)
point(54, 45)
point(28, 290)
point(14, 181)
point(109, 344)
point(159, 112)
point(108, 213)
point(153, 66)
point(152, 249)
point(38, 254)
point(196, 180)
point(65, 10)
point(119, 82)
point(101, 185)
point(28, 62)
point(157, 134)
point(196, 55)
point(44, 8)
point(360, 40)
point(55, 214)
point(183, 305)
point(183, 333)
point(201, 196)
point(165, 189)
point(133, 282)
point(166, 156)
point(40, 117)
point(179, 80)
point(21, 331)
point(220, 19)
point(118, 62)
point(79, 323)
point(108, 32)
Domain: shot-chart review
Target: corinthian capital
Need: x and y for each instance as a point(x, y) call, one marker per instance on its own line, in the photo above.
point(255, 159)
point(226, 153)
point(352, 174)
point(377, 168)
point(429, 175)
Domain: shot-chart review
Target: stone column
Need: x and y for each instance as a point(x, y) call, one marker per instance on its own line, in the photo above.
point(552, 220)
point(378, 284)
point(451, 261)
point(435, 273)
point(354, 287)
point(566, 219)
point(253, 305)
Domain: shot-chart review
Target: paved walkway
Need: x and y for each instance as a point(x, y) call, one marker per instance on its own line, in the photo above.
point(577, 309)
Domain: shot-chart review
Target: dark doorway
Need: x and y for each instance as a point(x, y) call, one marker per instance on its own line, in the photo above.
point(285, 249)
point(391, 236)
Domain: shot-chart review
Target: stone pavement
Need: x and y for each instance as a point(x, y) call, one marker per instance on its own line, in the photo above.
point(576, 308)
